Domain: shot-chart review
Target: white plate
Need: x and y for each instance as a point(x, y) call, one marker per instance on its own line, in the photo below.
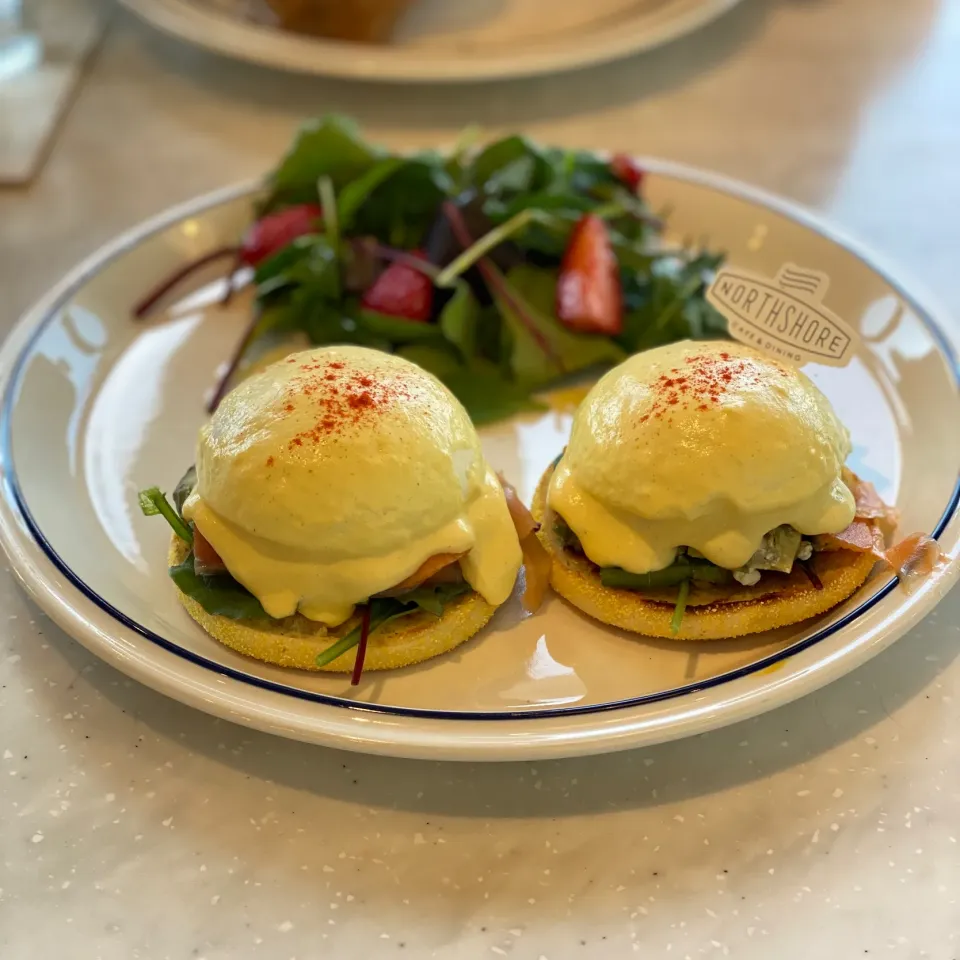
point(98, 406)
point(443, 40)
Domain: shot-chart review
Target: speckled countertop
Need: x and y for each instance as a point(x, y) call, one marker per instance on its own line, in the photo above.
point(133, 827)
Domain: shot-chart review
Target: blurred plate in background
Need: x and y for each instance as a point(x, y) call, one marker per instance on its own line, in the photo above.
point(440, 40)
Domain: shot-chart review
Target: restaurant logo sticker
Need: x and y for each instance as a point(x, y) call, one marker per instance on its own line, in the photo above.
point(784, 316)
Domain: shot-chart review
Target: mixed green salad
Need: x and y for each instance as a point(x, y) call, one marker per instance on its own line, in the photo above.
point(501, 268)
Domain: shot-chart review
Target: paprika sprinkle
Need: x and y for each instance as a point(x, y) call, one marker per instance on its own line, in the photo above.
point(702, 382)
point(343, 400)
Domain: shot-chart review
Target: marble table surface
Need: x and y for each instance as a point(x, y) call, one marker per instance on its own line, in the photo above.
point(132, 827)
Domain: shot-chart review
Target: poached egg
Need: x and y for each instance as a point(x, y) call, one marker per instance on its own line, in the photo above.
point(707, 445)
point(334, 474)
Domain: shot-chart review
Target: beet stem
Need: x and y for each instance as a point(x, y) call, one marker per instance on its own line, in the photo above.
point(234, 362)
point(361, 647)
point(232, 287)
point(493, 279)
point(142, 308)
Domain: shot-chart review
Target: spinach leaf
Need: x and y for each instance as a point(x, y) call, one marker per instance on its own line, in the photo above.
point(563, 203)
point(329, 322)
point(541, 349)
point(668, 305)
point(326, 322)
point(299, 289)
point(434, 599)
point(220, 595)
point(400, 210)
point(458, 162)
point(458, 321)
point(485, 391)
point(438, 358)
point(488, 395)
point(397, 330)
point(309, 262)
point(585, 172)
point(329, 147)
point(355, 194)
point(184, 488)
point(513, 177)
point(514, 165)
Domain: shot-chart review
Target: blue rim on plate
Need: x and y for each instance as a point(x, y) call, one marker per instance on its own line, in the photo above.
point(14, 492)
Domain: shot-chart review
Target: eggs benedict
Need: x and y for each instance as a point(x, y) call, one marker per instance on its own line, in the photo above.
point(703, 495)
point(341, 514)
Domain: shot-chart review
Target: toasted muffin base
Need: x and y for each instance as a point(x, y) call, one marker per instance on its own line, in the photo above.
point(296, 641)
point(713, 613)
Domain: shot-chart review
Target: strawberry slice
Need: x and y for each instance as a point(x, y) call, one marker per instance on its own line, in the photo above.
point(627, 171)
point(272, 233)
point(589, 298)
point(401, 291)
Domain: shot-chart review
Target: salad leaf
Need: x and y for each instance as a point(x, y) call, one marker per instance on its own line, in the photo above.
point(541, 349)
point(397, 330)
point(439, 358)
point(459, 161)
point(458, 321)
point(354, 194)
point(266, 275)
point(489, 396)
point(434, 599)
point(400, 209)
point(309, 262)
point(585, 172)
point(329, 147)
point(326, 322)
point(220, 595)
point(486, 393)
point(514, 165)
point(516, 176)
point(184, 488)
point(666, 306)
point(567, 203)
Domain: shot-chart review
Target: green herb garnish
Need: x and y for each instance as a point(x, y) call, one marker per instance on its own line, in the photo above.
point(385, 609)
point(680, 607)
point(153, 502)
